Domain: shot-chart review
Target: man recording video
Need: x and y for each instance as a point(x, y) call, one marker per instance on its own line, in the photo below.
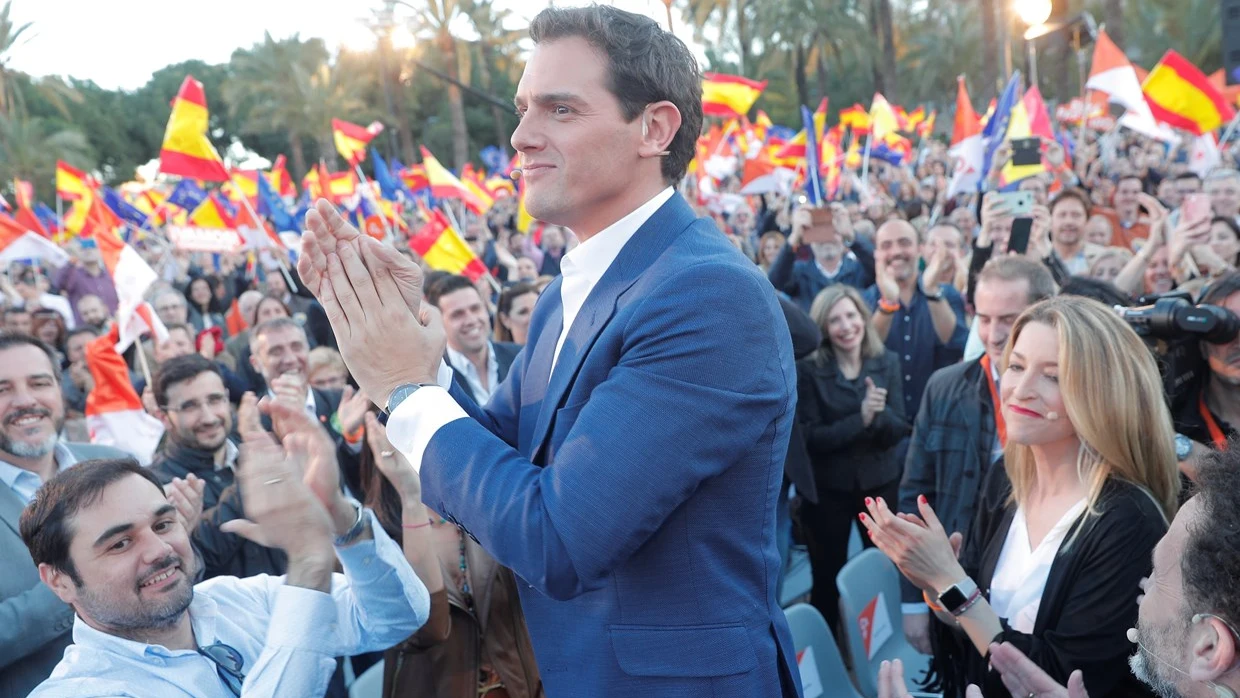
point(1208, 419)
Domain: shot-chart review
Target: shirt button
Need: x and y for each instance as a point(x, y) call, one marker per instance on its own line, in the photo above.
point(908, 378)
point(367, 560)
point(907, 338)
point(907, 357)
point(908, 319)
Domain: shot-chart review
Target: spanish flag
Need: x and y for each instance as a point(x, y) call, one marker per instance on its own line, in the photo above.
point(794, 150)
point(729, 95)
point(856, 118)
point(445, 185)
point(414, 177)
point(211, 214)
point(1180, 95)
point(443, 249)
point(882, 118)
point(280, 180)
point(351, 140)
point(186, 150)
point(244, 183)
point(71, 182)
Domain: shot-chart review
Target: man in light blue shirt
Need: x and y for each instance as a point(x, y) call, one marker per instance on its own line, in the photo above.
point(108, 542)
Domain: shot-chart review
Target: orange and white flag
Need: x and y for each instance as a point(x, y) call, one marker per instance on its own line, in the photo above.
point(114, 413)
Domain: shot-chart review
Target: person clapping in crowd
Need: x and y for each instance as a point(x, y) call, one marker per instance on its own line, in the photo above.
point(850, 404)
point(1088, 485)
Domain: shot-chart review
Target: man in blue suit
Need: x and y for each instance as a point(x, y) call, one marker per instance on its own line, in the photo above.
point(628, 467)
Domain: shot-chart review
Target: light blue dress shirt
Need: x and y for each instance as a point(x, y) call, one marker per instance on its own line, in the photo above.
point(25, 483)
point(288, 636)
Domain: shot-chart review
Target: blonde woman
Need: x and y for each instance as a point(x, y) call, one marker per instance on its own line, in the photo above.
point(850, 404)
point(1065, 530)
point(1106, 263)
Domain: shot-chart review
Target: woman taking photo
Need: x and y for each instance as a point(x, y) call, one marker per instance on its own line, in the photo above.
point(475, 644)
point(850, 404)
point(1065, 529)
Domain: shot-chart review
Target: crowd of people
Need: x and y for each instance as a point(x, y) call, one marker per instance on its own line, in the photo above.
point(583, 473)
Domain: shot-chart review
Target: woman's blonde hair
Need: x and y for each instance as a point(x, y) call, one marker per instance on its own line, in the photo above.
point(769, 235)
point(1113, 395)
point(871, 345)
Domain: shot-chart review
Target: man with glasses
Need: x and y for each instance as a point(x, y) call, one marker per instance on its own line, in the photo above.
point(108, 542)
point(197, 417)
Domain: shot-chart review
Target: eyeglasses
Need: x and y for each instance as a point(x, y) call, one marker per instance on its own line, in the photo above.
point(228, 664)
point(214, 402)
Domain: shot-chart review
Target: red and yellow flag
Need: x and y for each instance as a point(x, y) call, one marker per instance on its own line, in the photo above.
point(857, 118)
point(71, 182)
point(729, 95)
point(186, 150)
point(443, 249)
point(280, 180)
point(445, 185)
point(1180, 95)
point(351, 140)
point(211, 214)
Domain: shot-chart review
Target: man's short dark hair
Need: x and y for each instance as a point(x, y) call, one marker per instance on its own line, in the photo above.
point(1185, 176)
point(10, 340)
point(1072, 194)
point(1221, 289)
point(14, 311)
point(1015, 268)
point(46, 523)
point(445, 286)
point(81, 329)
point(645, 64)
point(1104, 292)
point(1210, 561)
point(179, 370)
point(271, 325)
point(182, 327)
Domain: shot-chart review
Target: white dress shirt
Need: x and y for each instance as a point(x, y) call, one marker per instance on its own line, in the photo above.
point(464, 366)
point(288, 636)
point(25, 483)
point(1020, 574)
point(413, 424)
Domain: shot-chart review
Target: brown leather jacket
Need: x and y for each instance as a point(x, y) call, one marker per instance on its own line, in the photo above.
point(442, 659)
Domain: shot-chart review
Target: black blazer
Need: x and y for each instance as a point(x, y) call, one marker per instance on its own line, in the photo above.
point(1090, 600)
point(798, 469)
point(505, 354)
point(845, 453)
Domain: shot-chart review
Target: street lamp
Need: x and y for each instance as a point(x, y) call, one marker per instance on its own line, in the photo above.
point(1034, 14)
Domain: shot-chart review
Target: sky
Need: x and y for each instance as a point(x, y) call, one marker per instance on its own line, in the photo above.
point(119, 43)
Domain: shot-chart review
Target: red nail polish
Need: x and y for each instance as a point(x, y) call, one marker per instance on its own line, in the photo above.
point(861, 517)
point(869, 501)
point(921, 498)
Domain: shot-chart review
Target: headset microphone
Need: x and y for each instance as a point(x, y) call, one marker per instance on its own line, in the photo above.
point(1220, 691)
point(516, 173)
point(1052, 416)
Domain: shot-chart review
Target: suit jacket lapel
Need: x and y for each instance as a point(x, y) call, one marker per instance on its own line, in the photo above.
point(650, 240)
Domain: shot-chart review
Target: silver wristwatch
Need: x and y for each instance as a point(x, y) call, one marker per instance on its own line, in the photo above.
point(402, 393)
point(357, 529)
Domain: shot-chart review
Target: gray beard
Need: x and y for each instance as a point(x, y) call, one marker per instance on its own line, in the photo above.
point(1143, 667)
point(23, 449)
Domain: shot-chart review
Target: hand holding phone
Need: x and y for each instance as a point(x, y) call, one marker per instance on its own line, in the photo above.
point(1196, 207)
point(821, 227)
point(1027, 151)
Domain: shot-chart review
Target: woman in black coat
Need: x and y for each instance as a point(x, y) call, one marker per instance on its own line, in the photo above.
point(1066, 528)
point(850, 405)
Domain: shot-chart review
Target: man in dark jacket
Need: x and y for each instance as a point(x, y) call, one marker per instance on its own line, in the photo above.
point(958, 433)
point(197, 417)
point(843, 259)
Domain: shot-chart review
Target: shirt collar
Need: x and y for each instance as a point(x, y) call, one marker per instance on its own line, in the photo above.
point(202, 611)
point(592, 258)
point(9, 473)
point(462, 362)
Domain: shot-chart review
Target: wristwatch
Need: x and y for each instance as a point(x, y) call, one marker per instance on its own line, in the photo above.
point(357, 529)
point(401, 393)
point(932, 297)
point(1183, 447)
point(957, 598)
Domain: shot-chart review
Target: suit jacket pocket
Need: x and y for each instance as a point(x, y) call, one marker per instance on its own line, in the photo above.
point(691, 651)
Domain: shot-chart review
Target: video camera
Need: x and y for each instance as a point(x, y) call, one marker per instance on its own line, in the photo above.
point(1172, 326)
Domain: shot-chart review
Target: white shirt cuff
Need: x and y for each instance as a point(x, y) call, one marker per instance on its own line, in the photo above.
point(412, 426)
point(914, 609)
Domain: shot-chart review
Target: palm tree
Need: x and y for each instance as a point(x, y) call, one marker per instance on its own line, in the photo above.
point(29, 148)
point(803, 36)
point(53, 89)
point(494, 41)
point(289, 86)
point(882, 28)
point(1191, 27)
point(435, 19)
point(730, 18)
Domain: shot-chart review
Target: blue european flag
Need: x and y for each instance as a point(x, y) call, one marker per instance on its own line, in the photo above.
point(187, 195)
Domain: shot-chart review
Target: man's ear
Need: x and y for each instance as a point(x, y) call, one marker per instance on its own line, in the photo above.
point(1212, 650)
point(59, 582)
point(660, 122)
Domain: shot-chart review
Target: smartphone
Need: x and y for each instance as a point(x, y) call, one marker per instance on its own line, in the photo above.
point(821, 227)
point(1196, 207)
point(1017, 203)
point(1027, 151)
point(1019, 240)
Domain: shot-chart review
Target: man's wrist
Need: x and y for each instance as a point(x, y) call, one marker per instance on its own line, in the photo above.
point(311, 569)
point(344, 515)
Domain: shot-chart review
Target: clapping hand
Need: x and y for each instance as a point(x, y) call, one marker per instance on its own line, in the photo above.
point(1020, 675)
point(372, 296)
point(919, 547)
point(352, 410)
point(875, 401)
point(186, 496)
point(392, 463)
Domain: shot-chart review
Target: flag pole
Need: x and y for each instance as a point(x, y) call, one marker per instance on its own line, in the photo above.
point(447, 209)
point(1231, 128)
point(146, 367)
point(245, 201)
point(370, 195)
point(865, 163)
point(60, 216)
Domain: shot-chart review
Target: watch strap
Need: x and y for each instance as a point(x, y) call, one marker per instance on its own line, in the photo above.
point(358, 527)
point(402, 393)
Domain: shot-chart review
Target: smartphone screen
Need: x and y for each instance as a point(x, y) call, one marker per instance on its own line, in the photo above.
point(1197, 207)
point(1019, 241)
point(821, 227)
point(1027, 151)
point(1017, 203)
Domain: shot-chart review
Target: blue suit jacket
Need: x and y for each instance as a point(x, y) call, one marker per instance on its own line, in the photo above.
point(633, 490)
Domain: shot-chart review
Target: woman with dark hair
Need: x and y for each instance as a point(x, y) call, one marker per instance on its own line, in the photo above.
point(205, 311)
point(850, 403)
point(512, 313)
point(48, 326)
point(270, 307)
point(1225, 240)
point(475, 644)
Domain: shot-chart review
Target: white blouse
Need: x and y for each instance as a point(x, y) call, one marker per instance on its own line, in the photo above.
point(1020, 575)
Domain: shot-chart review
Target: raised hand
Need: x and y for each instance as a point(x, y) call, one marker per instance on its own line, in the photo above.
point(1024, 678)
point(392, 463)
point(875, 401)
point(923, 551)
point(891, 680)
point(186, 496)
point(353, 409)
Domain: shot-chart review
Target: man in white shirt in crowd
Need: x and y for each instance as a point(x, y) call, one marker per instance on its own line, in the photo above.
point(480, 364)
point(108, 542)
